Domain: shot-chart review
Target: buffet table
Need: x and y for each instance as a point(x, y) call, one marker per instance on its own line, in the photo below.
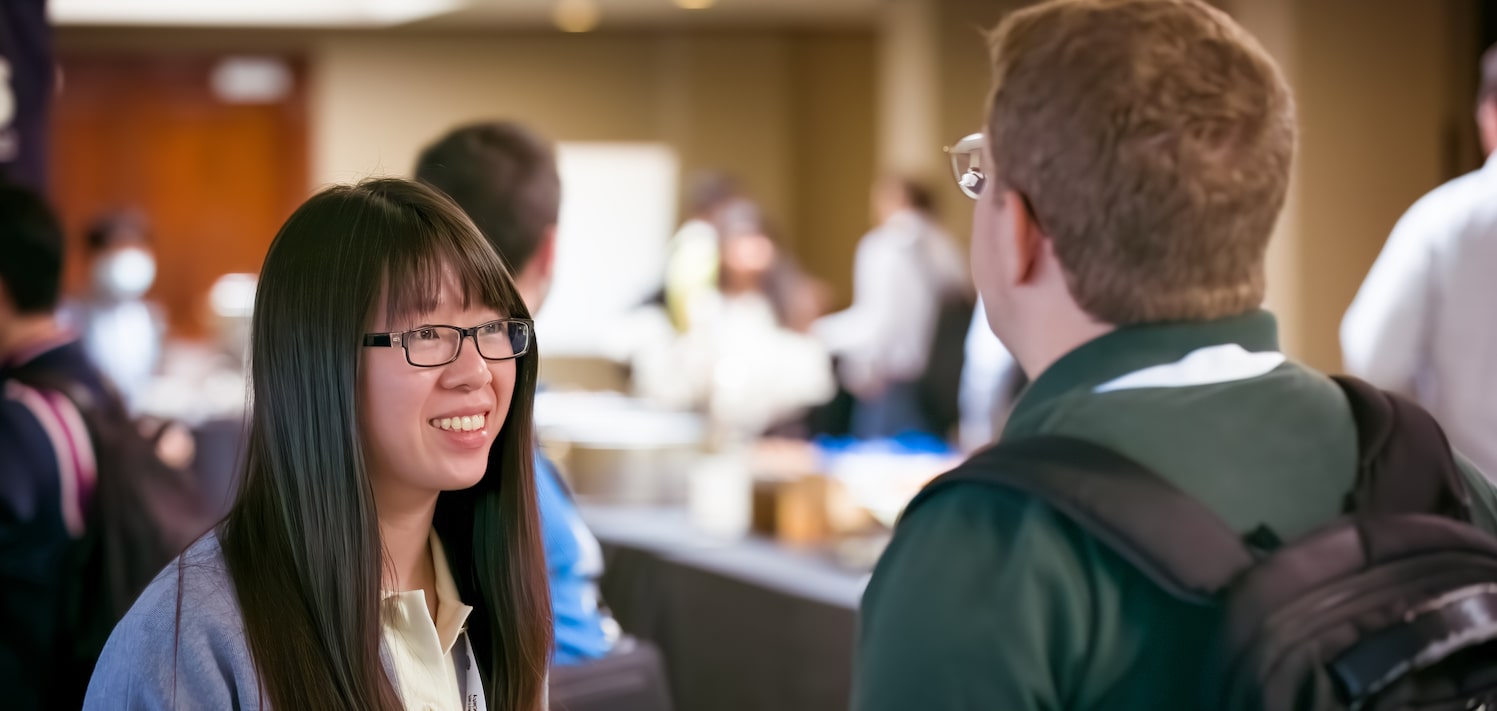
point(744, 625)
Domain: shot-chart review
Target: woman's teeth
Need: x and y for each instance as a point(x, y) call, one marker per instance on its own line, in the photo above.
point(459, 424)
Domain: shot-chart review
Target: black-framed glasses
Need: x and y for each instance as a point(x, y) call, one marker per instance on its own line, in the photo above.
point(966, 164)
point(435, 345)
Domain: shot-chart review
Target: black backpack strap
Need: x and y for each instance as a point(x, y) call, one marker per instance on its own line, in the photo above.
point(1405, 462)
point(1175, 541)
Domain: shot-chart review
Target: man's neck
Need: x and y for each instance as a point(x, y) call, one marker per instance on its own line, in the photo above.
point(26, 330)
point(1056, 340)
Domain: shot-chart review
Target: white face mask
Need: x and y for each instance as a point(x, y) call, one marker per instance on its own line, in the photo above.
point(125, 275)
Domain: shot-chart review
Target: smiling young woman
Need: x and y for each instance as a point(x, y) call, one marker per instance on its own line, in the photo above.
point(384, 551)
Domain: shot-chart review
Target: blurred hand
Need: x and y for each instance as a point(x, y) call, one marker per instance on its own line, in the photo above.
point(174, 442)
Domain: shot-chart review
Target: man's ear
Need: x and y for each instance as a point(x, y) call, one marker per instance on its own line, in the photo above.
point(543, 261)
point(1024, 246)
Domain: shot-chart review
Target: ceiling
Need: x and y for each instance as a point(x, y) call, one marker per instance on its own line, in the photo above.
point(498, 14)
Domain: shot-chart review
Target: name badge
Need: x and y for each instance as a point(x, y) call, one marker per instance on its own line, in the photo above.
point(473, 699)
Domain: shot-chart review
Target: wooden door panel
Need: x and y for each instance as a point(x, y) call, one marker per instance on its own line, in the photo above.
point(215, 179)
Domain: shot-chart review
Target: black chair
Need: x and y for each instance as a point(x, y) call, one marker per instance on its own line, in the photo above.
point(631, 678)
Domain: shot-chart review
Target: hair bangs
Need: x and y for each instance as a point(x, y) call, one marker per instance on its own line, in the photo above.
point(417, 267)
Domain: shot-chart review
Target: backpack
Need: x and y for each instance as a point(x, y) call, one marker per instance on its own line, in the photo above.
point(142, 514)
point(1393, 605)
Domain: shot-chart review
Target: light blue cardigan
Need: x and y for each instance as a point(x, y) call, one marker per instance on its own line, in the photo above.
point(213, 668)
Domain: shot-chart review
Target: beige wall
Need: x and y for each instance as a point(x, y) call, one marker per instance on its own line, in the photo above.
point(721, 101)
point(789, 112)
point(965, 78)
point(933, 83)
point(377, 100)
point(832, 95)
point(1380, 114)
point(909, 87)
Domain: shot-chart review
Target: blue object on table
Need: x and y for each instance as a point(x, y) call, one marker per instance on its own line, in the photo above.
point(907, 443)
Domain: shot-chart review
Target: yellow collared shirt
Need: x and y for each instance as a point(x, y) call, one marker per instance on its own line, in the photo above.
point(421, 648)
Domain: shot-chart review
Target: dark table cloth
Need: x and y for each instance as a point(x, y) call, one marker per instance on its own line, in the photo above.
point(746, 625)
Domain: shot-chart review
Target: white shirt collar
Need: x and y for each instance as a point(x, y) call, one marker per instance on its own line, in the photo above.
point(408, 607)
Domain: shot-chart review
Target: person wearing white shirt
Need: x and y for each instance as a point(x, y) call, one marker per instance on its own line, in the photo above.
point(1423, 323)
point(904, 269)
point(990, 384)
point(742, 361)
point(123, 331)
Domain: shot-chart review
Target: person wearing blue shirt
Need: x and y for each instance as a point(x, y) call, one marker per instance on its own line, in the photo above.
point(505, 178)
point(584, 631)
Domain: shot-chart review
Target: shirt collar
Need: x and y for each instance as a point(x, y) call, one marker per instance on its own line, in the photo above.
point(1132, 348)
point(452, 614)
point(905, 220)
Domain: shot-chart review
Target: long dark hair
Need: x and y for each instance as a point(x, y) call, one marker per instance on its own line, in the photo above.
point(302, 542)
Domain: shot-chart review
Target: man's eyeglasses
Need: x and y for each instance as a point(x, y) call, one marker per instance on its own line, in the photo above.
point(966, 164)
point(436, 345)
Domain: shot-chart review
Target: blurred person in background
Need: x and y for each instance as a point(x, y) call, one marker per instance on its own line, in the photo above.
point(384, 551)
point(1421, 324)
point(990, 384)
point(692, 258)
point(122, 331)
point(743, 360)
point(92, 503)
point(906, 270)
point(504, 176)
point(46, 475)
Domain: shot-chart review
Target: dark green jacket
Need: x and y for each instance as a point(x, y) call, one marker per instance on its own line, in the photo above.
point(988, 599)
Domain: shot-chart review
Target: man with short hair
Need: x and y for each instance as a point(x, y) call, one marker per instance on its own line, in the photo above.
point(1420, 324)
point(1134, 158)
point(47, 471)
point(505, 178)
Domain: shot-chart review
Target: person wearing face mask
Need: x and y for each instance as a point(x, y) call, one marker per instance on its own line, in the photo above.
point(122, 332)
point(88, 513)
